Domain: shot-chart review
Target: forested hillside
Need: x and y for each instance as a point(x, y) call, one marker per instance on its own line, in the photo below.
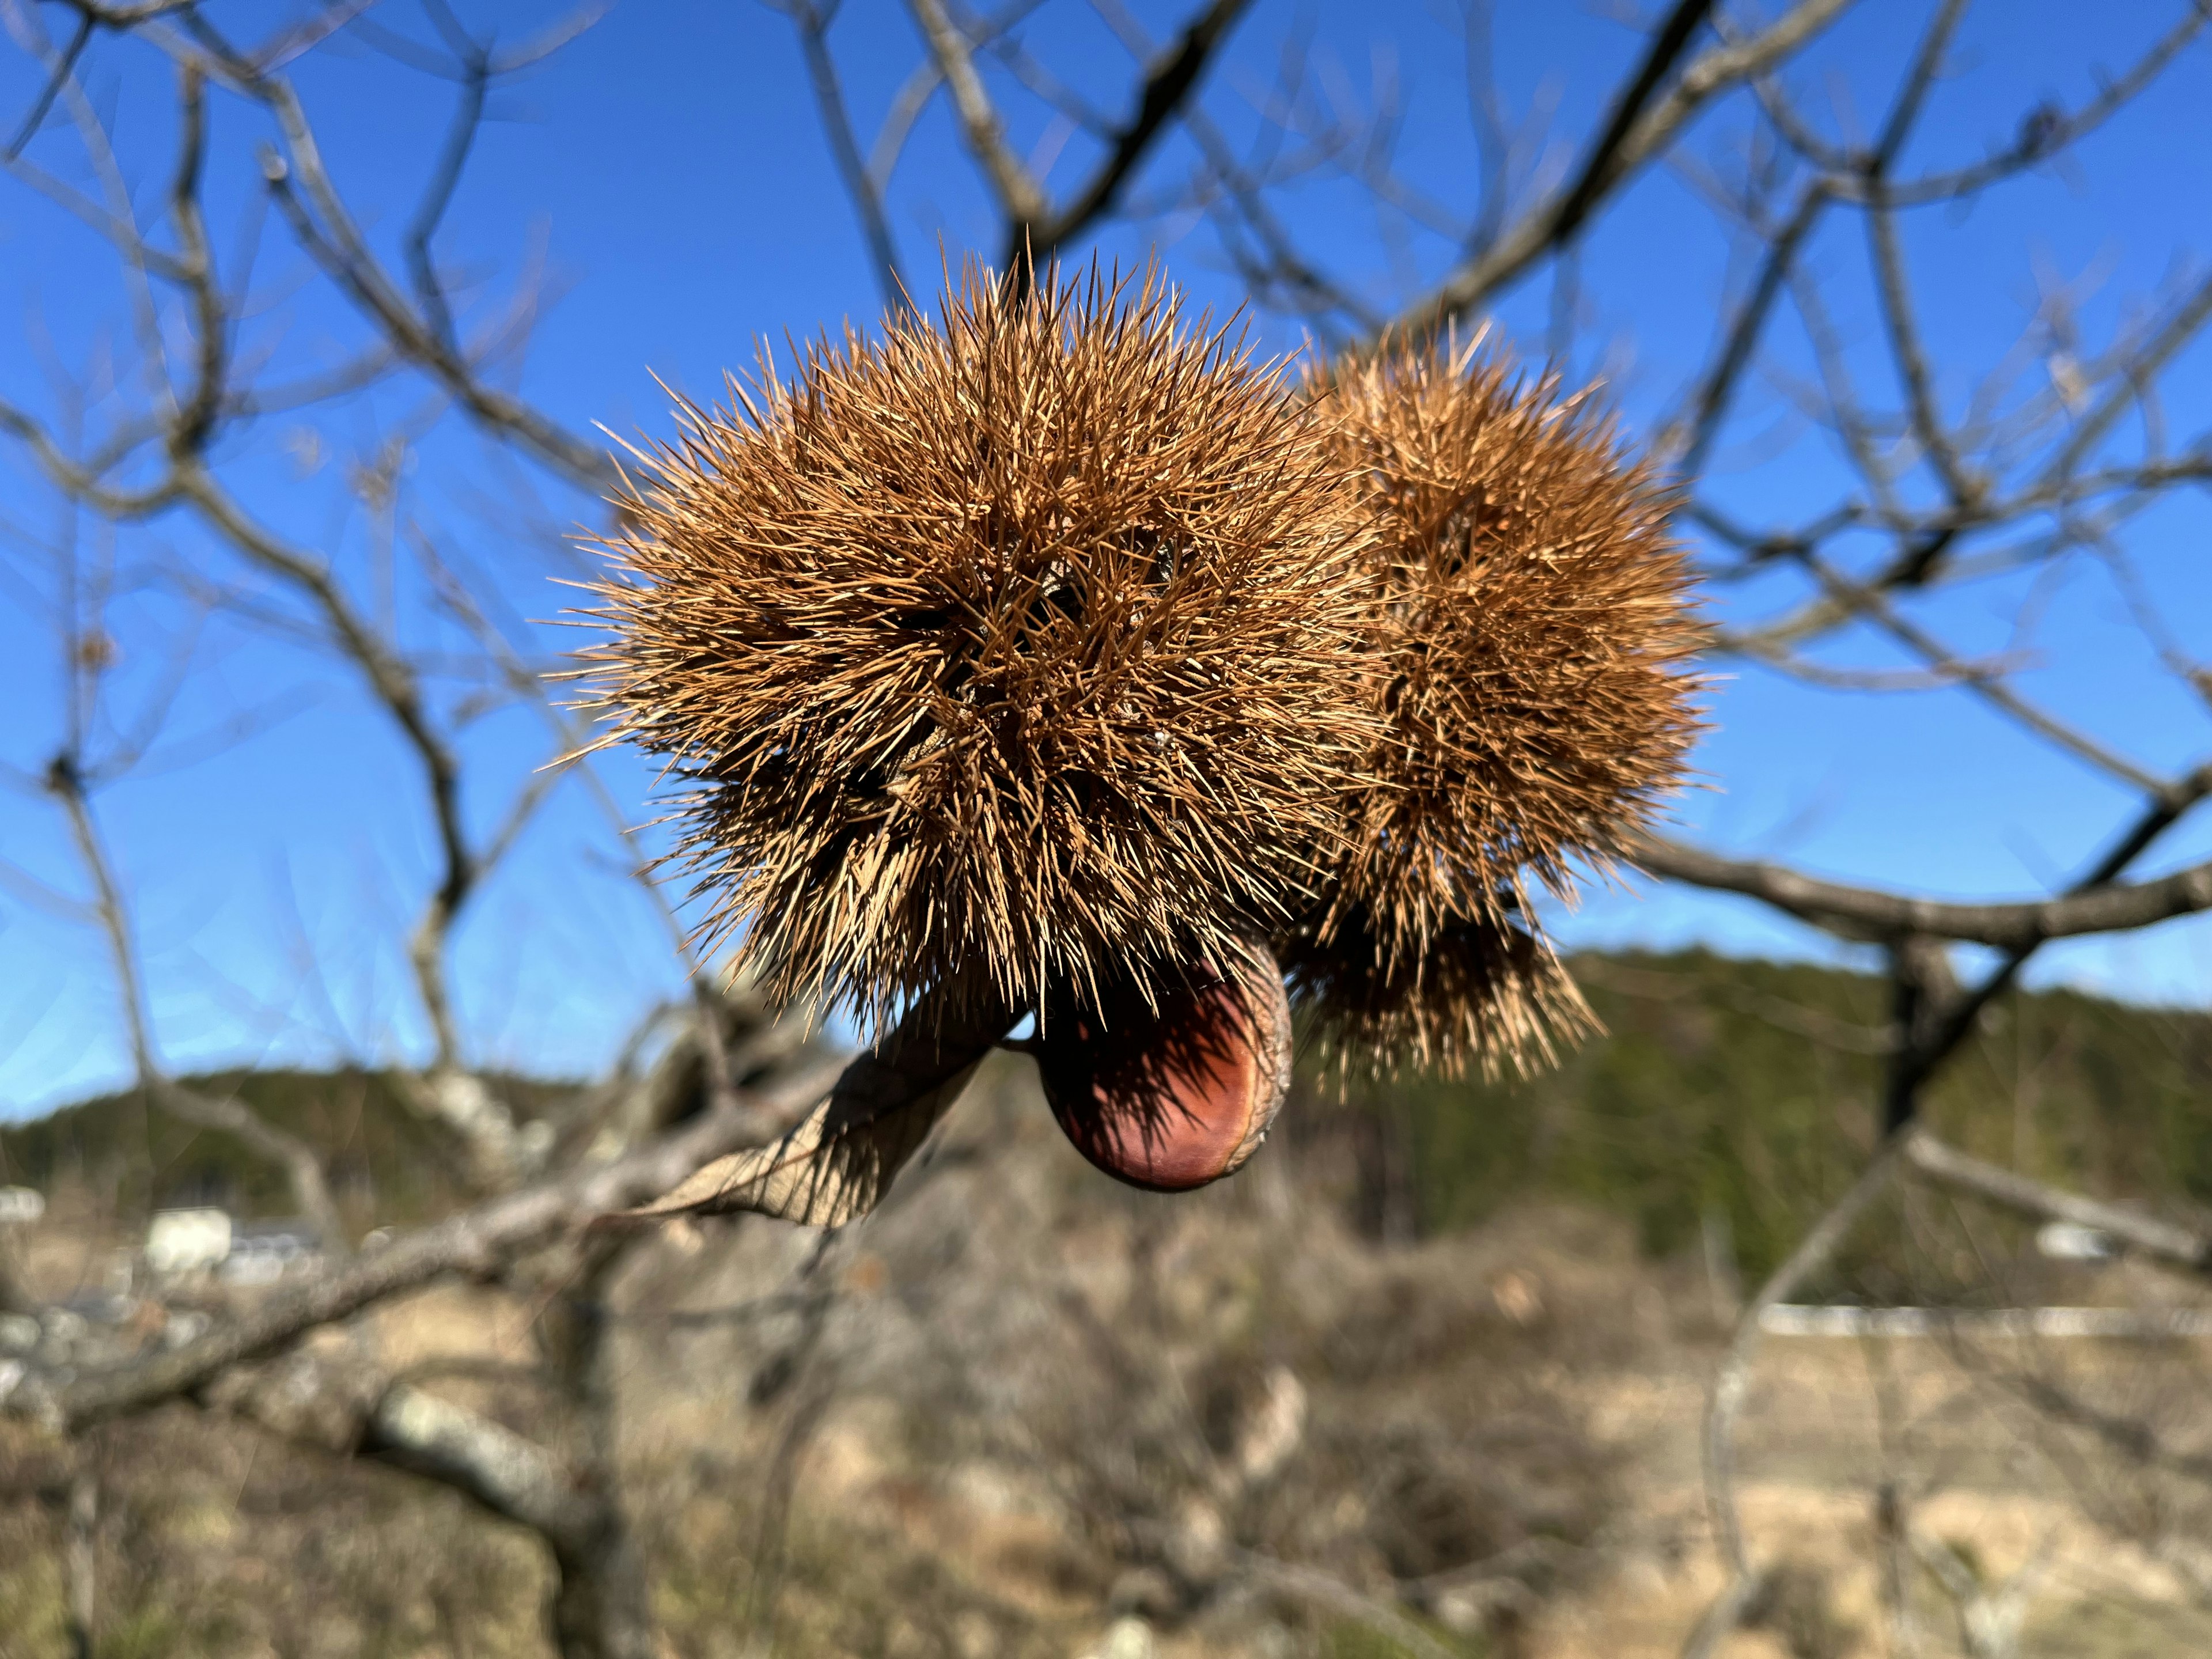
point(381, 1157)
point(1748, 1091)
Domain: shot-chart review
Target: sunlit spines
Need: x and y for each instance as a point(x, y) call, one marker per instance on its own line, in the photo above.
point(1023, 643)
point(1527, 634)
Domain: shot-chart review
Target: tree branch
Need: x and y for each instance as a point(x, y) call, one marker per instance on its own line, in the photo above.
point(342, 1405)
point(481, 1240)
point(1872, 913)
point(1168, 84)
point(1019, 197)
point(2045, 132)
point(349, 1409)
point(1985, 683)
point(1711, 402)
point(460, 138)
point(1543, 229)
point(331, 237)
point(812, 23)
point(1910, 355)
point(1732, 1383)
point(64, 67)
point(1668, 43)
point(1947, 1167)
point(231, 1116)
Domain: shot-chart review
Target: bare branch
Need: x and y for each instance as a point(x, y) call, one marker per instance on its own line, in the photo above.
point(335, 241)
point(1313, 293)
point(915, 92)
point(1167, 85)
point(812, 23)
point(2187, 319)
point(1711, 404)
point(80, 481)
point(1936, 678)
point(480, 1240)
point(1985, 681)
point(1927, 64)
point(1912, 356)
point(1869, 913)
point(508, 1474)
point(343, 1406)
point(1019, 196)
point(1542, 228)
point(1486, 114)
point(1668, 42)
point(1732, 1382)
point(1948, 1025)
point(572, 738)
point(196, 415)
point(2044, 132)
point(1890, 282)
point(65, 68)
point(389, 676)
point(350, 1409)
point(231, 1116)
point(461, 136)
point(2163, 1241)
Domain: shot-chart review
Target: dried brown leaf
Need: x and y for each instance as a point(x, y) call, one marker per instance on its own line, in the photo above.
point(835, 1165)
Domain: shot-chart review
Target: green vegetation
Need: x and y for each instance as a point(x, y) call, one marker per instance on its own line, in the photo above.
point(1747, 1090)
point(383, 1159)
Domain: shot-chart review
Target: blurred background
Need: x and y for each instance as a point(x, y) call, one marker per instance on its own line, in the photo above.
point(1844, 1296)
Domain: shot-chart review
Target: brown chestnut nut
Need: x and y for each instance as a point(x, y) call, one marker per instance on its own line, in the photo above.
point(1171, 1096)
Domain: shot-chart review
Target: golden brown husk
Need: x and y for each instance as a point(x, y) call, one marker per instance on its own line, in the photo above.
point(1020, 644)
point(1530, 629)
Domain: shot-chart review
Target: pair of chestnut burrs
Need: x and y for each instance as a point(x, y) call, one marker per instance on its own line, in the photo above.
point(1055, 660)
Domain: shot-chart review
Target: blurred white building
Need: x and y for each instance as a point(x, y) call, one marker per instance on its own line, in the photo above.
point(180, 1242)
point(263, 1252)
point(21, 1206)
point(187, 1241)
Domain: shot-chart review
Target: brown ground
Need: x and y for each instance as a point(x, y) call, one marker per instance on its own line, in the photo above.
point(1042, 1416)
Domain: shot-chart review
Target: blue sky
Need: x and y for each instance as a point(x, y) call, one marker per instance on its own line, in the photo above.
point(661, 190)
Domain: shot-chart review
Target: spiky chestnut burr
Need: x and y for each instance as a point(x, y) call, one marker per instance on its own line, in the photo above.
point(1010, 653)
point(1529, 628)
point(1171, 1093)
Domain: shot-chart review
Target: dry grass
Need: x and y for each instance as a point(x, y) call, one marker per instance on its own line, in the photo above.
point(1028, 1402)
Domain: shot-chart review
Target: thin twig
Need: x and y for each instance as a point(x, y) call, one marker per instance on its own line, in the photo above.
point(1732, 1383)
point(63, 71)
point(230, 1115)
point(479, 1239)
point(1541, 228)
point(1019, 197)
point(1871, 914)
point(812, 24)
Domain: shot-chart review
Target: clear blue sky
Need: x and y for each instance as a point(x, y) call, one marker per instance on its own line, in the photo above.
point(664, 180)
